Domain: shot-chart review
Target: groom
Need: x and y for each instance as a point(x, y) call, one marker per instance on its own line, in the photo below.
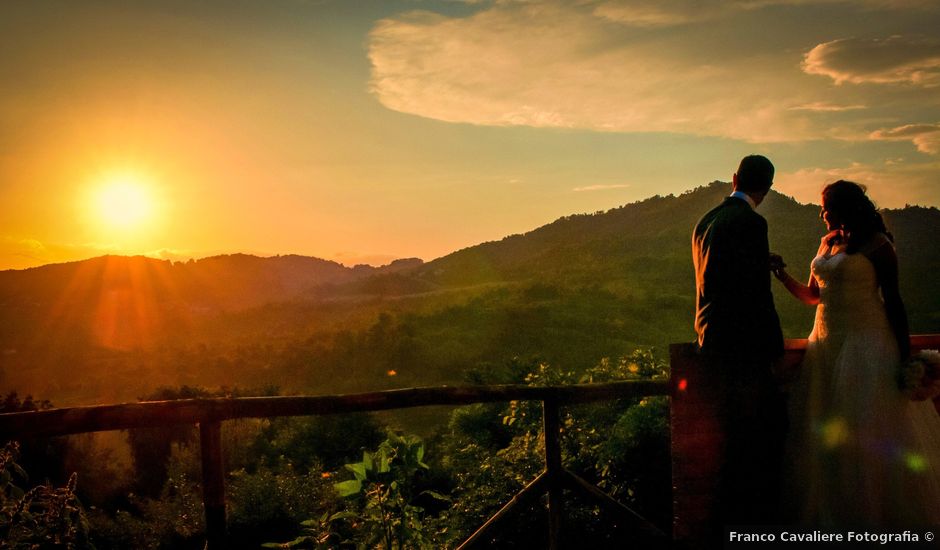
point(739, 337)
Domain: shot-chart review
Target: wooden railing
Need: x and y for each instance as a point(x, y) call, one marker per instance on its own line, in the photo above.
point(691, 419)
point(208, 414)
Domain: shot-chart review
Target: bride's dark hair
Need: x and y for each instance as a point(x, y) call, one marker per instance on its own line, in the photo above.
point(860, 219)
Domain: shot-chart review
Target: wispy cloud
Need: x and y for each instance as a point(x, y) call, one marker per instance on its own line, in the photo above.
point(350, 259)
point(19, 252)
point(891, 184)
point(666, 13)
point(22, 253)
point(663, 13)
point(601, 187)
point(925, 136)
point(823, 107)
point(891, 60)
point(171, 254)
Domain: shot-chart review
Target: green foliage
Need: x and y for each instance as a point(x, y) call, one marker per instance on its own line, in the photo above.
point(382, 511)
point(327, 441)
point(173, 519)
point(40, 457)
point(151, 448)
point(272, 501)
point(623, 445)
point(44, 516)
point(11, 403)
point(480, 424)
point(620, 445)
point(484, 480)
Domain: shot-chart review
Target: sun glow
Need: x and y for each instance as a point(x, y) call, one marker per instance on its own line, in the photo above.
point(123, 203)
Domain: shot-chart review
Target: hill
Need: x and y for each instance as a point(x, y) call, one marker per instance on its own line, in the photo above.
point(571, 292)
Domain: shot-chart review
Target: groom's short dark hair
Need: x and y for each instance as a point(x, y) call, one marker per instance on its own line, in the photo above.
point(755, 173)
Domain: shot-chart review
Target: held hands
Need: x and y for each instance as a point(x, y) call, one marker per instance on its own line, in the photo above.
point(777, 265)
point(808, 293)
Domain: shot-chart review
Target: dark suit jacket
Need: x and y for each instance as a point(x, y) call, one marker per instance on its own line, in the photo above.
point(735, 314)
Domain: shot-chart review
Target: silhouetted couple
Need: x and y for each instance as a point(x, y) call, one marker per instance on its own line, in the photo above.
point(841, 455)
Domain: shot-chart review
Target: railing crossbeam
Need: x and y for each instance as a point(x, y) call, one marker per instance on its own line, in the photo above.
point(575, 483)
point(530, 492)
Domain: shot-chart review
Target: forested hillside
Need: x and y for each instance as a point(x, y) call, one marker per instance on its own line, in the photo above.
point(569, 293)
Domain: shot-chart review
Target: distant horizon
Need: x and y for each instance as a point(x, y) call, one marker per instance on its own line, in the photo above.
point(380, 260)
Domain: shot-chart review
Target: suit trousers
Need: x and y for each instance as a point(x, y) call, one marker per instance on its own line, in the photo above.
point(751, 416)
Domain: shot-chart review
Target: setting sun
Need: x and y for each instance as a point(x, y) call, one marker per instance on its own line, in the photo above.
point(123, 203)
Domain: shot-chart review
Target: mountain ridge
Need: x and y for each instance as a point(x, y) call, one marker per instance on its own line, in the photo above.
point(569, 292)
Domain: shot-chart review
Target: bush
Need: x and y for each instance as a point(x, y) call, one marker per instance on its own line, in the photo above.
point(383, 509)
point(43, 517)
point(272, 501)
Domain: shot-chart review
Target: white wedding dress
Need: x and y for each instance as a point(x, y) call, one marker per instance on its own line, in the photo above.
point(861, 454)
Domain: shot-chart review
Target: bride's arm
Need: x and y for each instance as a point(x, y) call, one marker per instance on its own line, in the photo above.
point(885, 260)
point(808, 293)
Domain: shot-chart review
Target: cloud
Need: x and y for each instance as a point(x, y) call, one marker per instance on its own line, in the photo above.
point(925, 136)
point(892, 184)
point(350, 259)
point(667, 13)
point(17, 253)
point(560, 65)
point(171, 254)
point(601, 187)
point(609, 66)
point(823, 107)
point(21, 253)
point(660, 13)
point(892, 60)
point(872, 5)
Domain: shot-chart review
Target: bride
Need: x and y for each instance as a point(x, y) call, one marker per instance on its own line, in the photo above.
point(860, 452)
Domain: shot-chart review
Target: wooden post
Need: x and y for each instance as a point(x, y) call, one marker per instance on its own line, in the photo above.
point(213, 483)
point(554, 470)
point(697, 441)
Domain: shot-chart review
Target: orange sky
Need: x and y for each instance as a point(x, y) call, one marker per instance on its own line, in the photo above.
point(366, 131)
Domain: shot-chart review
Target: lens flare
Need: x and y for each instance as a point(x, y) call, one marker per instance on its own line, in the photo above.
point(915, 462)
point(835, 432)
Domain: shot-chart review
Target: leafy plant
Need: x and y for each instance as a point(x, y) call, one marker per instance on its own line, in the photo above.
point(384, 512)
point(43, 517)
